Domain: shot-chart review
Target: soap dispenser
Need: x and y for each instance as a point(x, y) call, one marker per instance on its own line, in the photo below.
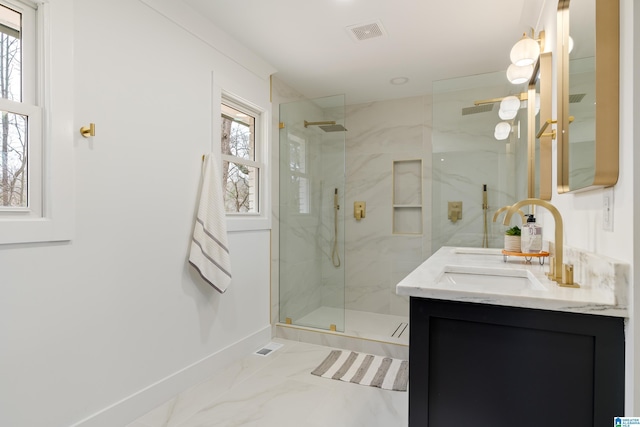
point(531, 240)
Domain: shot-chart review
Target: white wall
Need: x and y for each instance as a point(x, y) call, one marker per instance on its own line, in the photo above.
point(88, 323)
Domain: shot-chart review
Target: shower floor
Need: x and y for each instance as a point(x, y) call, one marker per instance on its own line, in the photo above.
point(362, 324)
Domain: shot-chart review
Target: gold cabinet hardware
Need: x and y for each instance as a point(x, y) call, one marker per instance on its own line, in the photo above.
point(281, 125)
point(332, 327)
point(88, 131)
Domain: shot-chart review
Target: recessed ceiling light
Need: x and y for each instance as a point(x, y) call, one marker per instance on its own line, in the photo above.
point(399, 80)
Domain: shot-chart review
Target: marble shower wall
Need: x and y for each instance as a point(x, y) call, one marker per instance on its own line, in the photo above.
point(376, 259)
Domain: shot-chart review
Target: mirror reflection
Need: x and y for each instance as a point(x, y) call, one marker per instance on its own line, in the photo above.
point(588, 64)
point(582, 106)
point(541, 141)
point(582, 93)
point(467, 156)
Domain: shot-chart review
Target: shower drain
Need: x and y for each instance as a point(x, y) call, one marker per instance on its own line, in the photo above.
point(400, 330)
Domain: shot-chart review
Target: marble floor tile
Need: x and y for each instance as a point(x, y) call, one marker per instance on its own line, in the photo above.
point(175, 411)
point(279, 390)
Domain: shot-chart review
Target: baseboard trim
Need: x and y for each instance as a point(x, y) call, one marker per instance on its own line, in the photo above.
point(139, 403)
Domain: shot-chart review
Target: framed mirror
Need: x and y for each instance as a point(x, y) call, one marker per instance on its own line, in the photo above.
point(588, 94)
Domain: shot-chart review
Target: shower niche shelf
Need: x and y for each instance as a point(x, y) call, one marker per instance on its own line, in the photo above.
point(407, 196)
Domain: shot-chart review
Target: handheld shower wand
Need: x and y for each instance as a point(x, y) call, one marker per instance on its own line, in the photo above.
point(485, 208)
point(335, 254)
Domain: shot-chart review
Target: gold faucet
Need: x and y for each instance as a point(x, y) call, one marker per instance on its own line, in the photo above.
point(504, 208)
point(557, 273)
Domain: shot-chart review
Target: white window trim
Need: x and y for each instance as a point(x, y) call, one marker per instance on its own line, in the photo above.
point(262, 219)
point(55, 96)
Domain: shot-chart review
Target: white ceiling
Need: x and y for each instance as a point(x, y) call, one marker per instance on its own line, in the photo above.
point(307, 41)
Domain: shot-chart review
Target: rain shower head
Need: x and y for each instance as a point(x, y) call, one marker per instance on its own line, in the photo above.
point(327, 126)
point(333, 128)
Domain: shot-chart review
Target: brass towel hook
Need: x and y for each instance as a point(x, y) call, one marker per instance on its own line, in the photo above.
point(88, 131)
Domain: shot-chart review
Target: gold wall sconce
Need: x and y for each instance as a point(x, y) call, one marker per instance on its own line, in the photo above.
point(88, 131)
point(527, 49)
point(524, 55)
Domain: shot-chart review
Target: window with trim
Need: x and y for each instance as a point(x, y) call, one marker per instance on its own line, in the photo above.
point(241, 157)
point(20, 116)
point(36, 191)
point(299, 178)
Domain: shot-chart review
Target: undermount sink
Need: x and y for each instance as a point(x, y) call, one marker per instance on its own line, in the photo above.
point(489, 279)
point(478, 251)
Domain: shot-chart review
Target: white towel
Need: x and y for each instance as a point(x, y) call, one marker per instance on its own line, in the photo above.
point(209, 248)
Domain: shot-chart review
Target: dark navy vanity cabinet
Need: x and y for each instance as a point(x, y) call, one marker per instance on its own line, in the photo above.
point(495, 366)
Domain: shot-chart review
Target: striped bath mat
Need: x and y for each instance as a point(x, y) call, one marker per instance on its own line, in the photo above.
point(365, 369)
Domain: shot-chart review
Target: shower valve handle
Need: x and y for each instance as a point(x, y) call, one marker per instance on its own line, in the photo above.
point(359, 210)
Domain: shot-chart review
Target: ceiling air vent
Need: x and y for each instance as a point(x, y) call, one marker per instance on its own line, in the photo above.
point(366, 31)
point(477, 109)
point(576, 97)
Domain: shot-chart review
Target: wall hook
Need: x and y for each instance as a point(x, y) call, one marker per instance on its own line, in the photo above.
point(88, 131)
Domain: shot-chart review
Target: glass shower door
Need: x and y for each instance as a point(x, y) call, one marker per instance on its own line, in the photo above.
point(312, 176)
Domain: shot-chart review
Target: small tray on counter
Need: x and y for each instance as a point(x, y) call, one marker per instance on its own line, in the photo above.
point(527, 256)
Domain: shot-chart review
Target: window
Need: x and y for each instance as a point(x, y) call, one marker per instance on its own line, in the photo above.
point(241, 162)
point(20, 117)
point(299, 179)
point(36, 190)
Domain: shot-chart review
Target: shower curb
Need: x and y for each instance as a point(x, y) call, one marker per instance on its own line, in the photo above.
point(343, 340)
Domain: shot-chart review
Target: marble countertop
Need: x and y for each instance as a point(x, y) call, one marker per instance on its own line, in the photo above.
point(427, 281)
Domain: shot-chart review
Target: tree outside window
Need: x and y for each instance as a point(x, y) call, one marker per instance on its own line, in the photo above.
point(13, 127)
point(239, 166)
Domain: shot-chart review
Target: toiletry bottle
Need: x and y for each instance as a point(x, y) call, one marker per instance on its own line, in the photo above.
point(531, 240)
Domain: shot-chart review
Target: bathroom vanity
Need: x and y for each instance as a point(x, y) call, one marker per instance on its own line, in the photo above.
point(496, 344)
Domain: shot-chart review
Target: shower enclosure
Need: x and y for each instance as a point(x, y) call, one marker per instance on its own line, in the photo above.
point(311, 209)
